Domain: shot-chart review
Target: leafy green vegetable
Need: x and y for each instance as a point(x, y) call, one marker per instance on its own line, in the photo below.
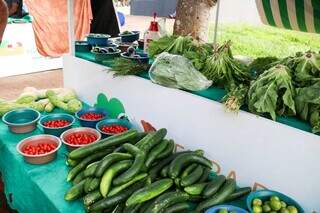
point(273, 93)
point(236, 98)
point(123, 66)
point(261, 64)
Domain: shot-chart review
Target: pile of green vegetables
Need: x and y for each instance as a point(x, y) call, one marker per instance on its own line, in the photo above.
point(141, 172)
point(43, 100)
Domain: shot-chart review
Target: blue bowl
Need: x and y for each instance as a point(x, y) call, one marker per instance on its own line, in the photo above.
point(108, 122)
point(58, 116)
point(130, 37)
point(98, 39)
point(21, 120)
point(82, 46)
point(144, 58)
point(216, 209)
point(90, 123)
point(265, 195)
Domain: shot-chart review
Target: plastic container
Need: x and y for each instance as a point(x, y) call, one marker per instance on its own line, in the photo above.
point(151, 34)
point(91, 123)
point(82, 46)
point(35, 140)
point(21, 120)
point(216, 209)
point(130, 37)
point(108, 122)
point(105, 56)
point(144, 58)
point(265, 195)
point(69, 132)
point(59, 116)
point(98, 39)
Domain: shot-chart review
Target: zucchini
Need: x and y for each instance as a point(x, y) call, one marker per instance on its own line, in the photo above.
point(193, 177)
point(90, 170)
point(182, 160)
point(92, 197)
point(220, 197)
point(108, 160)
point(239, 193)
point(155, 151)
point(120, 188)
point(116, 199)
point(136, 166)
point(188, 170)
point(195, 189)
point(205, 175)
point(164, 171)
point(78, 178)
point(153, 140)
point(110, 173)
point(168, 150)
point(94, 184)
point(149, 192)
point(75, 170)
point(214, 185)
point(114, 140)
point(75, 191)
point(87, 184)
point(178, 207)
point(166, 200)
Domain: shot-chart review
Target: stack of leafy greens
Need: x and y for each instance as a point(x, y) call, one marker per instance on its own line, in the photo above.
point(123, 66)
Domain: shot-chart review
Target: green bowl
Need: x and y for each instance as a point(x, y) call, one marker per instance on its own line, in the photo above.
point(59, 116)
point(265, 195)
point(106, 56)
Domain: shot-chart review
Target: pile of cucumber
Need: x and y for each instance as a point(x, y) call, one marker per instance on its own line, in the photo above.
point(141, 172)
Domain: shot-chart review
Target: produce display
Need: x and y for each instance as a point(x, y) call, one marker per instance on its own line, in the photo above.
point(56, 123)
point(273, 205)
point(113, 129)
point(81, 138)
point(92, 116)
point(104, 50)
point(142, 172)
point(39, 149)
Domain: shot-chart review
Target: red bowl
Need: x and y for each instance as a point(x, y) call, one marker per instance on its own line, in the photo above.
point(87, 130)
point(35, 140)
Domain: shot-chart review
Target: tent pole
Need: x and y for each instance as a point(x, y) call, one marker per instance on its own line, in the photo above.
point(216, 23)
point(71, 27)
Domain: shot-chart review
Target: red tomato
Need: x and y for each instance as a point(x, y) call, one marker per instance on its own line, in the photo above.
point(81, 138)
point(113, 129)
point(92, 116)
point(56, 123)
point(41, 148)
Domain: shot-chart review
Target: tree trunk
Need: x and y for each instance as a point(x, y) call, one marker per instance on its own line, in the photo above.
point(193, 18)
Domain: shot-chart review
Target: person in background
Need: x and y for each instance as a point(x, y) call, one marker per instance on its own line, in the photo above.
point(15, 8)
point(3, 18)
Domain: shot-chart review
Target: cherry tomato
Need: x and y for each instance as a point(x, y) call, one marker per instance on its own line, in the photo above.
point(56, 123)
point(92, 116)
point(81, 138)
point(39, 149)
point(113, 129)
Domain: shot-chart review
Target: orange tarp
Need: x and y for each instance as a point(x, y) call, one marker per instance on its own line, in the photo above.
point(50, 24)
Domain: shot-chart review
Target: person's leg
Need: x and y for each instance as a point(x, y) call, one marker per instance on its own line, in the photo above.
point(3, 17)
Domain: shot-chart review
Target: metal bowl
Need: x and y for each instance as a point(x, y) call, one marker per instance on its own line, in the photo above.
point(109, 122)
point(21, 120)
point(35, 140)
point(58, 116)
point(90, 123)
point(69, 132)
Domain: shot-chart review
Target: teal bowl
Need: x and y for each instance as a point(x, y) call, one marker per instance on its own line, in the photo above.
point(105, 56)
point(56, 131)
point(109, 122)
point(229, 208)
point(265, 195)
point(21, 120)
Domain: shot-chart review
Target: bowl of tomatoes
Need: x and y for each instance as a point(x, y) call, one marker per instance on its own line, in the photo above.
point(91, 116)
point(110, 127)
point(56, 124)
point(39, 149)
point(79, 137)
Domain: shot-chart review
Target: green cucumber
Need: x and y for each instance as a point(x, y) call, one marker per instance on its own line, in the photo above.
point(214, 185)
point(205, 175)
point(108, 160)
point(114, 140)
point(119, 208)
point(148, 137)
point(195, 189)
point(193, 177)
point(71, 162)
point(188, 170)
point(239, 193)
point(132, 209)
point(153, 140)
point(82, 165)
point(116, 199)
point(182, 160)
point(90, 170)
point(136, 166)
point(92, 197)
point(166, 200)
point(94, 184)
point(138, 138)
point(144, 207)
point(220, 197)
point(122, 187)
point(75, 191)
point(87, 184)
point(168, 150)
point(164, 171)
point(149, 192)
point(178, 208)
point(155, 151)
point(78, 178)
point(177, 182)
point(119, 149)
point(110, 173)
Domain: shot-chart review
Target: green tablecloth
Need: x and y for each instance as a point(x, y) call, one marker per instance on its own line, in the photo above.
point(213, 93)
point(33, 188)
